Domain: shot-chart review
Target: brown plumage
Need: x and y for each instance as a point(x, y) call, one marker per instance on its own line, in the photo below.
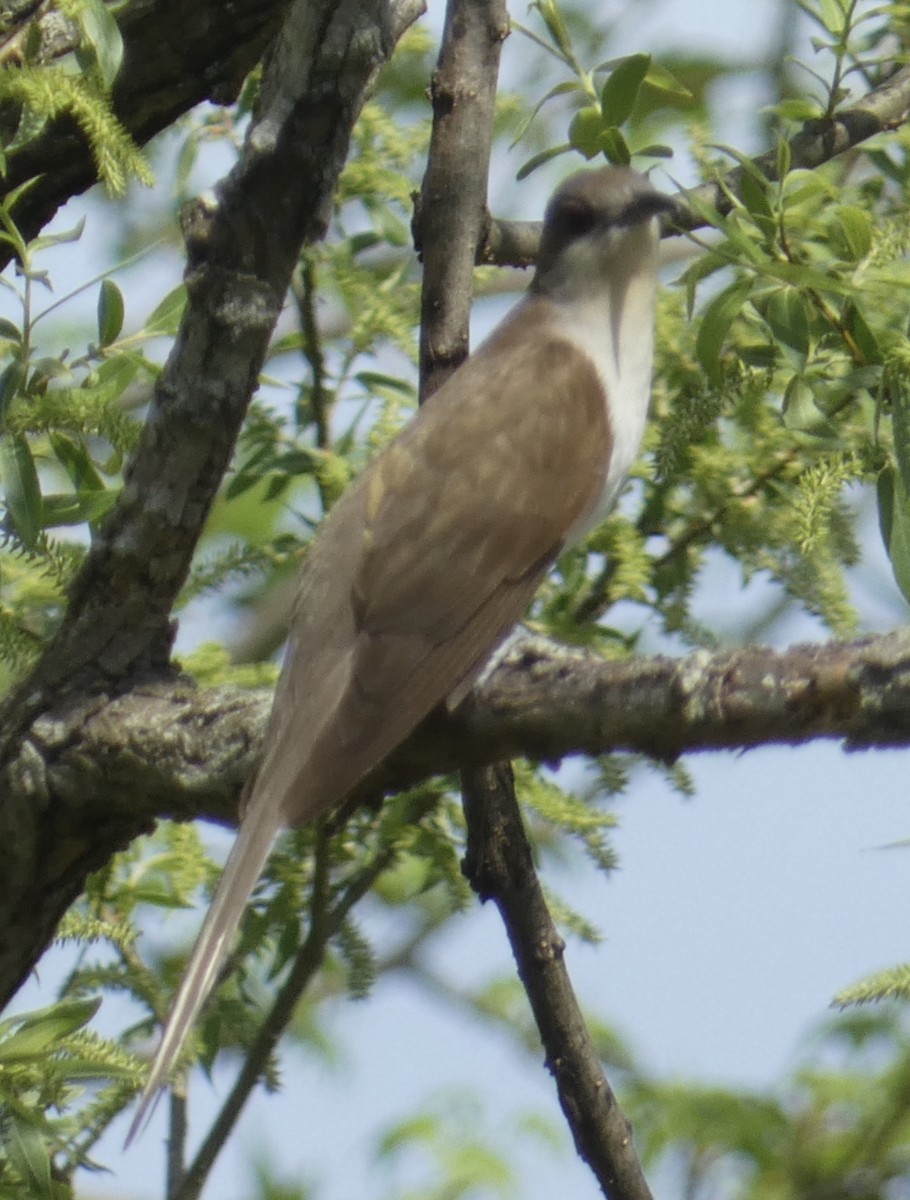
point(429, 559)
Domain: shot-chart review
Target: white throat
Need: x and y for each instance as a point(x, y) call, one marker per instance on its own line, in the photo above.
point(610, 319)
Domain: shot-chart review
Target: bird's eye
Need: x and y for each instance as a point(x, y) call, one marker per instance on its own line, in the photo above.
point(575, 218)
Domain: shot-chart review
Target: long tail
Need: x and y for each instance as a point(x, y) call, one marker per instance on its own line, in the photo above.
point(242, 869)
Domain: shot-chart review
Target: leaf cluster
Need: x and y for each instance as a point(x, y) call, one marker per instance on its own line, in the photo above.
point(837, 1127)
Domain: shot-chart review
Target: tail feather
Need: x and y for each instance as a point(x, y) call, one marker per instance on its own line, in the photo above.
point(243, 868)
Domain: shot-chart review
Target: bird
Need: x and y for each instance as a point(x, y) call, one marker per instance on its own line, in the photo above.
point(428, 560)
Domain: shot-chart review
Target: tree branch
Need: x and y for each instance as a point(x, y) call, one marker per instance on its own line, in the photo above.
point(178, 751)
point(94, 773)
point(885, 108)
point(173, 60)
point(448, 226)
point(514, 243)
point(500, 867)
point(451, 209)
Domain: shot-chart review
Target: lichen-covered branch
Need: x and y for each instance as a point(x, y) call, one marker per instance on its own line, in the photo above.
point(104, 768)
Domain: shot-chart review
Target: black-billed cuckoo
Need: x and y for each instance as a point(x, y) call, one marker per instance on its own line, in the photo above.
point(429, 559)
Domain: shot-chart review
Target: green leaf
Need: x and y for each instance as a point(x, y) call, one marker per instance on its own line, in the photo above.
point(801, 412)
point(585, 130)
point(47, 240)
point(788, 319)
point(615, 147)
point(655, 150)
point(31, 124)
point(856, 325)
point(617, 99)
point(784, 158)
point(186, 160)
point(38, 1031)
point(715, 325)
point(28, 1155)
point(11, 380)
point(894, 523)
point(373, 381)
point(798, 110)
point(556, 27)
point(900, 418)
point(166, 316)
point(833, 16)
point(755, 197)
point(853, 229)
point(749, 165)
point(116, 374)
point(110, 312)
point(76, 508)
point(74, 457)
point(103, 36)
point(21, 488)
point(538, 160)
point(662, 80)
point(561, 89)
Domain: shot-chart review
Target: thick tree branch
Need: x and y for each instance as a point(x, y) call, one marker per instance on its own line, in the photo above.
point(94, 773)
point(184, 752)
point(175, 57)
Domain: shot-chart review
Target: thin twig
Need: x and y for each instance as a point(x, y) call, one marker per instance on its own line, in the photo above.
point(176, 1138)
point(304, 289)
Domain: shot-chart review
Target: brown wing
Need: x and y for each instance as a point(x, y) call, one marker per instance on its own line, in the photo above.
point(431, 557)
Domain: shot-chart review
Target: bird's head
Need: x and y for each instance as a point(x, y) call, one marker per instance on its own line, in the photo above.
point(600, 227)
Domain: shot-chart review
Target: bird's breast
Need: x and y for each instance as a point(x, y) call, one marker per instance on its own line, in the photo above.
point(620, 346)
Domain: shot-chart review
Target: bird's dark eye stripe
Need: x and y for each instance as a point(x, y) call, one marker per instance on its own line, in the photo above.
point(648, 204)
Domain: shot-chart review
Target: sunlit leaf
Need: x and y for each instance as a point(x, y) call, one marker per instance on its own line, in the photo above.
point(538, 160)
point(110, 312)
point(715, 325)
point(165, 317)
point(38, 1031)
point(619, 93)
point(585, 130)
